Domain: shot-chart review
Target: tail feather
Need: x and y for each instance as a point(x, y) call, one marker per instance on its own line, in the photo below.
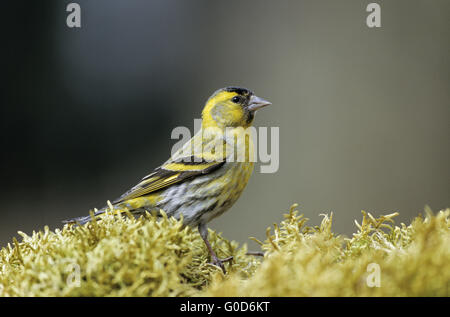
point(84, 219)
point(116, 209)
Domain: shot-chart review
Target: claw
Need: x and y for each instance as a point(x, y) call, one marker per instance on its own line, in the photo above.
point(219, 262)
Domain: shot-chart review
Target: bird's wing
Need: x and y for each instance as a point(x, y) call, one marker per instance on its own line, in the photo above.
point(181, 166)
point(168, 174)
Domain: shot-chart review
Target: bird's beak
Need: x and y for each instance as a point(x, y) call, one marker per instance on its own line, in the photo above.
point(256, 103)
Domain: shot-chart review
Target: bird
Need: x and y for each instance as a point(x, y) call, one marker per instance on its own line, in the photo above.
point(207, 175)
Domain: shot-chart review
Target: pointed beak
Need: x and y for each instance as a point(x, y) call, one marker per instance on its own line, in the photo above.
point(256, 103)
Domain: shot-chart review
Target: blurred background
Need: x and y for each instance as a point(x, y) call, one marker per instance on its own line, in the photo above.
point(363, 113)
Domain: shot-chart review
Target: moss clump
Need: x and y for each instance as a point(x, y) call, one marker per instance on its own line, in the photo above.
point(411, 260)
point(116, 256)
point(150, 257)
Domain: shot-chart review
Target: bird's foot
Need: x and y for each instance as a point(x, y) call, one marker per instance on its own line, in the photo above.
point(219, 262)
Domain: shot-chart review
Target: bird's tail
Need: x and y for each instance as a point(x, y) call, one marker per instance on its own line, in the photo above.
point(114, 209)
point(85, 219)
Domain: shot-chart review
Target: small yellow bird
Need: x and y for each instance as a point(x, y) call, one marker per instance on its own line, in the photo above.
point(208, 174)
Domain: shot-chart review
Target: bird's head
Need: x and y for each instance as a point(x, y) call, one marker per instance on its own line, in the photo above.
point(231, 107)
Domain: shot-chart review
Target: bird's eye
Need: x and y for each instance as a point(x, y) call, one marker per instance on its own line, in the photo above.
point(236, 99)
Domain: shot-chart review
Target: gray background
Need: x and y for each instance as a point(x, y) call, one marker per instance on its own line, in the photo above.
point(363, 113)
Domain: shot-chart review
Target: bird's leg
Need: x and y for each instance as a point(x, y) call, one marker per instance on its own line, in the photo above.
point(203, 230)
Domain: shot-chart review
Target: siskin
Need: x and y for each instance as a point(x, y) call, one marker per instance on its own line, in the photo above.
point(207, 175)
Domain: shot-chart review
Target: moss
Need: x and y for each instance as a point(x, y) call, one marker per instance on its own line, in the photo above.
point(159, 257)
point(114, 257)
point(411, 260)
